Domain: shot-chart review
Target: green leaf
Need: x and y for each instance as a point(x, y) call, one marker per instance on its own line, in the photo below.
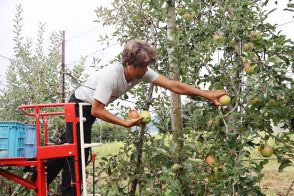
point(284, 163)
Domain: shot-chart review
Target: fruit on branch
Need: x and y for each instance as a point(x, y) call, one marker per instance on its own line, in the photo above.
point(217, 37)
point(146, 115)
point(247, 46)
point(248, 68)
point(267, 151)
point(224, 100)
point(210, 160)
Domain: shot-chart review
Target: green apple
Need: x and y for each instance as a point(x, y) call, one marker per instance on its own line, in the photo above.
point(272, 102)
point(146, 115)
point(248, 68)
point(181, 10)
point(247, 46)
point(187, 16)
point(217, 37)
point(267, 151)
point(254, 35)
point(212, 122)
point(254, 100)
point(214, 177)
point(224, 100)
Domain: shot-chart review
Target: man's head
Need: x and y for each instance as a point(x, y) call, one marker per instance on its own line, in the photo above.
point(138, 53)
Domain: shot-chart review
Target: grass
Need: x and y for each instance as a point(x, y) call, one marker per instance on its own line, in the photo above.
point(107, 149)
point(274, 183)
point(277, 183)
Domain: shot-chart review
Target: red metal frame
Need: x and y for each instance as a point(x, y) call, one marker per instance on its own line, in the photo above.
point(46, 151)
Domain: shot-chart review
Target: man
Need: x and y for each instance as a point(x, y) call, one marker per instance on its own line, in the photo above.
point(110, 83)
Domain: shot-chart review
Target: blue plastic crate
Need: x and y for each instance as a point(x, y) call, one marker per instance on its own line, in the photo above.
point(30, 134)
point(30, 151)
point(30, 141)
point(11, 139)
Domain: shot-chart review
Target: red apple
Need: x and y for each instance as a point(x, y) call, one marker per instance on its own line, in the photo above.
point(133, 113)
point(210, 160)
point(267, 151)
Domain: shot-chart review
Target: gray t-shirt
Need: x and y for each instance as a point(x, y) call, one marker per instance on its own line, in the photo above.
point(109, 84)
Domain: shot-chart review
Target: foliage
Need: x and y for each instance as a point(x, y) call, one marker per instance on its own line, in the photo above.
point(109, 132)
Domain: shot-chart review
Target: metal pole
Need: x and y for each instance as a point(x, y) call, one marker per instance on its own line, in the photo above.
point(63, 68)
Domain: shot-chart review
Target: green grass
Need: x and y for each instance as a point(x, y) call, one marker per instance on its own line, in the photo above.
point(107, 149)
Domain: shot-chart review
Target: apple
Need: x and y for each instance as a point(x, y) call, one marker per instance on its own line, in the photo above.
point(254, 35)
point(272, 102)
point(133, 113)
point(209, 123)
point(212, 122)
point(248, 68)
point(146, 115)
point(224, 100)
point(217, 37)
point(233, 43)
point(254, 100)
point(267, 151)
point(181, 9)
point(214, 177)
point(264, 112)
point(210, 160)
point(187, 16)
point(247, 46)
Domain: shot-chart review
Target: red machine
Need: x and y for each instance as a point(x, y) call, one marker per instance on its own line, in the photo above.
point(45, 151)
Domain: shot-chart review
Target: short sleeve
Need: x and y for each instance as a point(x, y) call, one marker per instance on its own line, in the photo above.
point(150, 75)
point(104, 89)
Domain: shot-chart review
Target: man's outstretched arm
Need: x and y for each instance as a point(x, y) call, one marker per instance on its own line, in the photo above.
point(186, 89)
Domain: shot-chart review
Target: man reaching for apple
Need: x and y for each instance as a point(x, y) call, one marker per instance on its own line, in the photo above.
point(110, 83)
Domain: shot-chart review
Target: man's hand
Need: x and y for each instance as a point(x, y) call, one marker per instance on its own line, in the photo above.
point(134, 122)
point(214, 95)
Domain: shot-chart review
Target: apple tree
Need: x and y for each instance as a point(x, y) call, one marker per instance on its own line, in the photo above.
point(216, 45)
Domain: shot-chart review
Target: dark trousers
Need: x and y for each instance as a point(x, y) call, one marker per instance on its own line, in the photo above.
point(54, 166)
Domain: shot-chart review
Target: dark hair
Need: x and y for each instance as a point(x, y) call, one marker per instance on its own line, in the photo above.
point(138, 53)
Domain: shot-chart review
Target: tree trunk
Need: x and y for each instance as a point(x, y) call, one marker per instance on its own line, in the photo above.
point(139, 149)
point(174, 72)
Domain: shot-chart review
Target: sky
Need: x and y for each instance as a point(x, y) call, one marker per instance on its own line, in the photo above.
point(76, 18)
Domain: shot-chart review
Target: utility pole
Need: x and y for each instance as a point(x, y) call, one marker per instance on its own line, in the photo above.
point(62, 89)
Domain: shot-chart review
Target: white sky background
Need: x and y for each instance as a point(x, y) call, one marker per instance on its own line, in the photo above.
point(77, 17)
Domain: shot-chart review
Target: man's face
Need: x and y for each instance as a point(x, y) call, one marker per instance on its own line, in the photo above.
point(137, 72)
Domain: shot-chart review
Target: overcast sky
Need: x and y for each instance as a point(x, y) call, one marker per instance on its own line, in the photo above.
point(77, 17)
